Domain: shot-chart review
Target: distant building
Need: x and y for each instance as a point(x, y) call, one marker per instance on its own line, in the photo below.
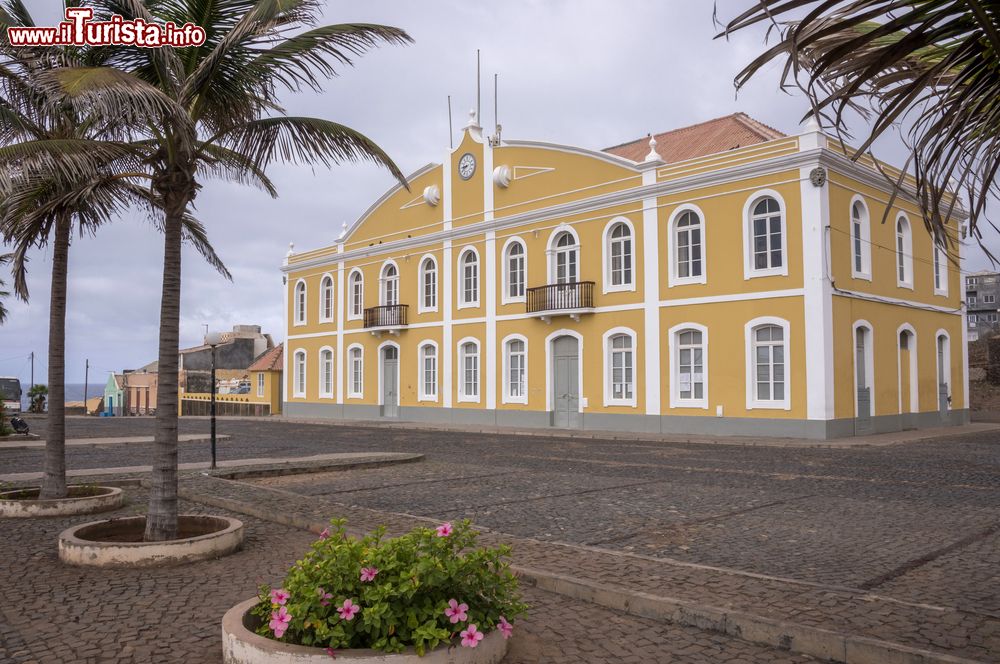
point(237, 351)
point(982, 300)
point(265, 377)
point(130, 393)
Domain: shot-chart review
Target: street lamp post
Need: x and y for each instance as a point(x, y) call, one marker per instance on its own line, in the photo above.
point(213, 340)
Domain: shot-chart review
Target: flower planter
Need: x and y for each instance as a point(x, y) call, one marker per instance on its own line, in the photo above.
point(241, 645)
point(118, 542)
point(22, 503)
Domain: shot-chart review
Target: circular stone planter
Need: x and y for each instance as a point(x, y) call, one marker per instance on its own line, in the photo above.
point(118, 542)
point(81, 500)
point(240, 645)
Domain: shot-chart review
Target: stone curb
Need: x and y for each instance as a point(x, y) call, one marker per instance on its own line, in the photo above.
point(38, 444)
point(824, 644)
point(292, 468)
point(813, 641)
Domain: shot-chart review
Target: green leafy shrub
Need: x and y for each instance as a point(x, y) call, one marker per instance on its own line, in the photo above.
point(425, 588)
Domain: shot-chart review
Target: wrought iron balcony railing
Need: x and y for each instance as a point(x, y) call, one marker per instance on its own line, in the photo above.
point(569, 297)
point(390, 316)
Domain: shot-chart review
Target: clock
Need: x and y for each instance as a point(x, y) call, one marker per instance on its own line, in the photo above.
point(466, 166)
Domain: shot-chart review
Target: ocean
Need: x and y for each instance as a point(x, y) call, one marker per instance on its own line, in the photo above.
point(74, 392)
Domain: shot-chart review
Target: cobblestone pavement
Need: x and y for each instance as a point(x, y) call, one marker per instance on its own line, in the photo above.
point(919, 520)
point(56, 614)
point(960, 632)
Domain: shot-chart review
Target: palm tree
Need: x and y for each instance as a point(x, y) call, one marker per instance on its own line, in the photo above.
point(63, 165)
point(4, 293)
point(227, 120)
point(934, 64)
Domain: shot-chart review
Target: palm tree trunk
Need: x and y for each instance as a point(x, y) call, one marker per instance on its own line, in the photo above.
point(161, 522)
point(54, 481)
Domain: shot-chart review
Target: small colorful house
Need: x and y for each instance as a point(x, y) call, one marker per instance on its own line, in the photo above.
point(265, 377)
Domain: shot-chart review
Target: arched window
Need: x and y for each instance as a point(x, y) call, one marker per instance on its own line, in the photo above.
point(565, 259)
point(326, 373)
point(326, 299)
point(516, 370)
point(300, 303)
point(861, 252)
point(619, 388)
point(469, 263)
point(514, 271)
point(299, 374)
point(618, 259)
point(688, 236)
point(767, 366)
point(357, 287)
point(904, 253)
point(389, 282)
point(944, 370)
point(689, 367)
point(428, 284)
point(766, 238)
point(468, 362)
point(428, 372)
point(356, 359)
point(940, 268)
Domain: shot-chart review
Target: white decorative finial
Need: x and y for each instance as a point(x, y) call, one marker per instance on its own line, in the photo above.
point(811, 124)
point(343, 229)
point(473, 121)
point(653, 154)
point(291, 249)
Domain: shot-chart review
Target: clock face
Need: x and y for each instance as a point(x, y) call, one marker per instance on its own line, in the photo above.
point(466, 166)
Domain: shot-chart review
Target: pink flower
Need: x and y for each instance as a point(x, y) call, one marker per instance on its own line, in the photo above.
point(331, 652)
point(471, 637)
point(444, 529)
point(348, 610)
point(505, 627)
point(279, 621)
point(280, 596)
point(324, 533)
point(368, 573)
point(324, 597)
point(456, 611)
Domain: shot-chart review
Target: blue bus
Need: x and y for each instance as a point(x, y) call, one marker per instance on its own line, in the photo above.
point(10, 394)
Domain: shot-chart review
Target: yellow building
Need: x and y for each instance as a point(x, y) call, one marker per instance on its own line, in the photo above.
point(721, 279)
point(265, 378)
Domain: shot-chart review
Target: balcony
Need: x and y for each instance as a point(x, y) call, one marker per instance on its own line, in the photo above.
point(569, 299)
point(389, 318)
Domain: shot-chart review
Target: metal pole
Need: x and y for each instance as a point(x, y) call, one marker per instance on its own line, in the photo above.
point(213, 408)
point(86, 377)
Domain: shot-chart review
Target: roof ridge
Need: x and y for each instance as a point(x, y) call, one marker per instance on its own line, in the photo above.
point(739, 116)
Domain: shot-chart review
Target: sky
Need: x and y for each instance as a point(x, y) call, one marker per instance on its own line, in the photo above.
point(591, 73)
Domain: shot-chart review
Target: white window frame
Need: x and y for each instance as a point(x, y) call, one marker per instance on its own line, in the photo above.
point(942, 333)
point(609, 400)
point(351, 392)
point(752, 402)
point(606, 240)
point(260, 383)
point(672, 278)
point(673, 351)
point(320, 374)
point(462, 302)
point(422, 307)
point(914, 386)
point(973, 320)
point(869, 363)
point(749, 271)
point(300, 372)
point(940, 270)
point(300, 305)
point(865, 240)
point(992, 299)
point(551, 251)
point(462, 396)
point(422, 394)
point(506, 396)
point(351, 315)
point(380, 397)
point(383, 283)
point(505, 296)
point(907, 251)
point(971, 300)
point(326, 285)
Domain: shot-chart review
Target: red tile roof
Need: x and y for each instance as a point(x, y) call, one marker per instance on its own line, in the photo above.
point(719, 135)
point(271, 360)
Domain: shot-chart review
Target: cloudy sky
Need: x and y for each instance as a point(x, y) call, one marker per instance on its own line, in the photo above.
point(592, 73)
